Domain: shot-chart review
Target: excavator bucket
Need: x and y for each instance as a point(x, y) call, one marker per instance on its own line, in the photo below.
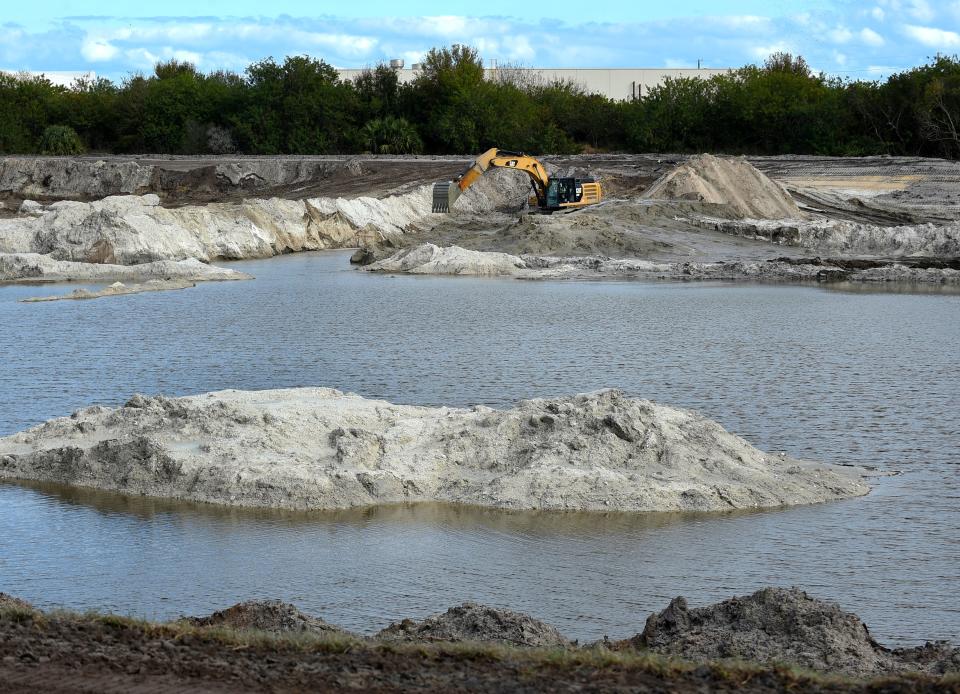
point(445, 194)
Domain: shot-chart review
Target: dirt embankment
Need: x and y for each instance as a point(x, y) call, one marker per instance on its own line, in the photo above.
point(429, 259)
point(316, 448)
point(707, 218)
point(696, 217)
point(272, 645)
point(185, 180)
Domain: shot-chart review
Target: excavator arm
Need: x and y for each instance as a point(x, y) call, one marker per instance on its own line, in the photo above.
point(447, 192)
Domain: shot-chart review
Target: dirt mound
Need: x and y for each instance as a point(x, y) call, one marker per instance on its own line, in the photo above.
point(8, 602)
point(429, 259)
point(734, 183)
point(266, 615)
point(781, 625)
point(498, 190)
point(473, 622)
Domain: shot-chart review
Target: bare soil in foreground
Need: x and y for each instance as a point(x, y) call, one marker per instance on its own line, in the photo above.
point(70, 653)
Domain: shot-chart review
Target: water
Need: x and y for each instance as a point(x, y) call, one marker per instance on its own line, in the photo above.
point(848, 377)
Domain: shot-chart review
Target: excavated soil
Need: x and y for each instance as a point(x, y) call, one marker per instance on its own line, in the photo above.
point(780, 625)
point(734, 184)
point(473, 622)
point(270, 645)
point(273, 616)
point(702, 210)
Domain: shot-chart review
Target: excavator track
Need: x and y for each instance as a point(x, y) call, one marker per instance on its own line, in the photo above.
point(441, 196)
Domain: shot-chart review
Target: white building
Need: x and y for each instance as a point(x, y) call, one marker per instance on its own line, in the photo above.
point(615, 83)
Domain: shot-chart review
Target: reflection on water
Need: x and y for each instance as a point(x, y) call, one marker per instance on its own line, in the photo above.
point(455, 516)
point(849, 377)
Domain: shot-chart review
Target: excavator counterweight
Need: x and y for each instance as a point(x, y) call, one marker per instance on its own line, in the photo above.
point(550, 194)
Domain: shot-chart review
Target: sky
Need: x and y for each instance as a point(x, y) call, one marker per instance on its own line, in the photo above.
point(114, 39)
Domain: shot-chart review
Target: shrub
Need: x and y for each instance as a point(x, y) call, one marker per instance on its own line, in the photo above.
point(389, 135)
point(61, 140)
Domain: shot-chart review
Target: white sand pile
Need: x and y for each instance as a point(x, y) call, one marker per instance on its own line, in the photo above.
point(732, 182)
point(428, 259)
point(133, 229)
point(317, 448)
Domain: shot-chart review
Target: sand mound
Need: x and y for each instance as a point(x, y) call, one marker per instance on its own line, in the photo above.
point(732, 182)
point(428, 259)
point(266, 615)
point(320, 448)
point(498, 190)
point(473, 622)
point(780, 625)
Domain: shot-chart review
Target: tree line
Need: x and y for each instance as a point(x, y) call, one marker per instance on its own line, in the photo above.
point(301, 106)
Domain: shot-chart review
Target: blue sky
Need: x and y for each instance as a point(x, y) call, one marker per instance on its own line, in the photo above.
point(865, 40)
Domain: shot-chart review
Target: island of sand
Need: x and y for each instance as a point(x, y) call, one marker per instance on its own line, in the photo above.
point(317, 448)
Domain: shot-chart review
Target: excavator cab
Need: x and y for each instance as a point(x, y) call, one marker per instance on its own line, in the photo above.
point(568, 192)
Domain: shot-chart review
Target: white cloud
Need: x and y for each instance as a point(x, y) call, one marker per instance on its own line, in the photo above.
point(921, 10)
point(64, 78)
point(141, 58)
point(445, 26)
point(741, 22)
point(934, 38)
point(870, 37)
point(98, 50)
point(824, 33)
point(764, 52)
point(840, 35)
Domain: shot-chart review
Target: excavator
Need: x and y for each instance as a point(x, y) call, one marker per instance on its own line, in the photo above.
point(549, 194)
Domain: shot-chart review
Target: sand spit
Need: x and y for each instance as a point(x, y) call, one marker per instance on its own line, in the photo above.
point(453, 260)
point(780, 625)
point(734, 183)
point(34, 267)
point(317, 448)
point(115, 289)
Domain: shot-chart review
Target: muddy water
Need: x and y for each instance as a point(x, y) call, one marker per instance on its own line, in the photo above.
point(848, 377)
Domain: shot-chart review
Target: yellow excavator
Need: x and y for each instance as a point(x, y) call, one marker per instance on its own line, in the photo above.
point(549, 194)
